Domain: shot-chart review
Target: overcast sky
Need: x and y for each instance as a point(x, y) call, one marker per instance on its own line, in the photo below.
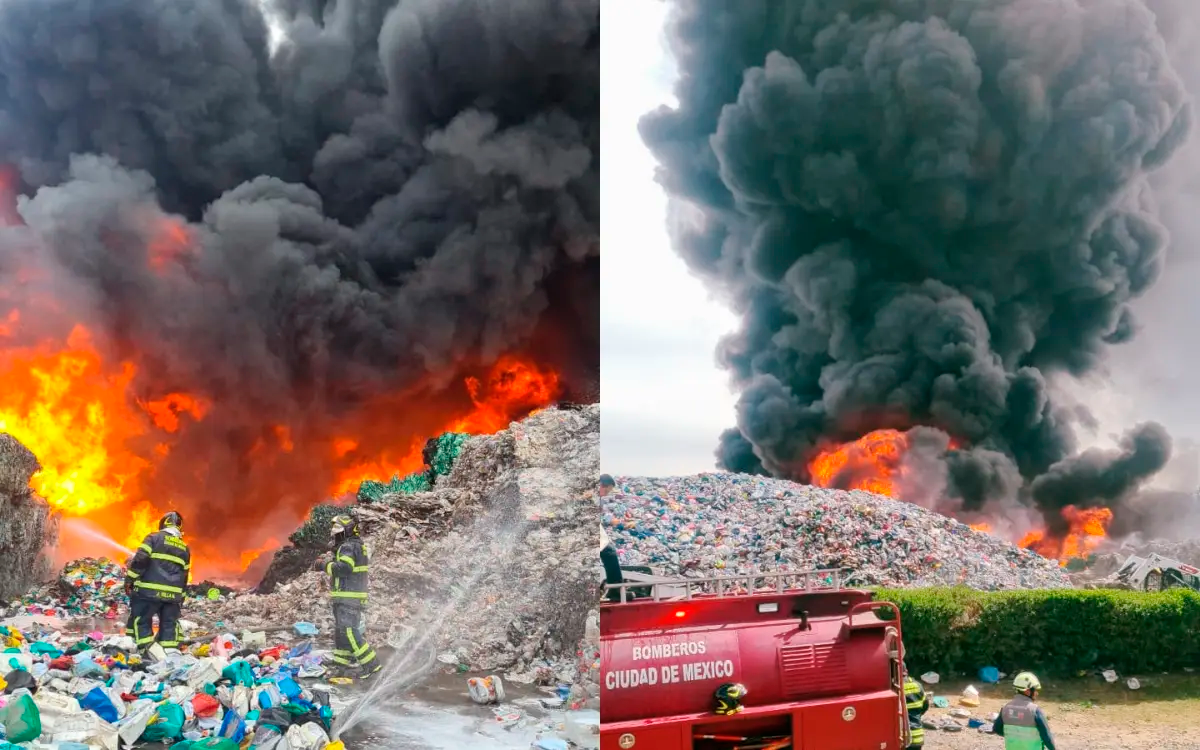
point(664, 401)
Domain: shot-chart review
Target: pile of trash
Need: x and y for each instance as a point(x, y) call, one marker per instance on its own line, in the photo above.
point(721, 524)
point(26, 527)
point(94, 691)
point(85, 588)
point(496, 564)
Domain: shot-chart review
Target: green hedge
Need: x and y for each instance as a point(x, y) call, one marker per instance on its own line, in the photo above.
point(955, 631)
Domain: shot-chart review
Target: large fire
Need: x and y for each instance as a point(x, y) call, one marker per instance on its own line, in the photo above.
point(100, 443)
point(870, 463)
point(1087, 529)
point(874, 463)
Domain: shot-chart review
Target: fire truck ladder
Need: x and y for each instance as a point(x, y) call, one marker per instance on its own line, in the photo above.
point(683, 589)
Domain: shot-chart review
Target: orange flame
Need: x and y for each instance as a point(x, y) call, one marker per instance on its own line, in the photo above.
point(1087, 529)
point(100, 442)
point(513, 388)
point(986, 528)
point(870, 463)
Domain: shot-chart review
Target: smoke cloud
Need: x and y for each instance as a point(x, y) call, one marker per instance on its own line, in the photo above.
point(925, 212)
point(326, 234)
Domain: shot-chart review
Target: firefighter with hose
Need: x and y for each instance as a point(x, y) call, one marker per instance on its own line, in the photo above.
point(1021, 722)
point(347, 572)
point(155, 579)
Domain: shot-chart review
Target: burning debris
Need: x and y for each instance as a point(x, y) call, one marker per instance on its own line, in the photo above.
point(714, 524)
point(243, 275)
point(925, 214)
point(495, 563)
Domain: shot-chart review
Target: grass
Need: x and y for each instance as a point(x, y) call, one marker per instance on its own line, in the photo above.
point(1162, 700)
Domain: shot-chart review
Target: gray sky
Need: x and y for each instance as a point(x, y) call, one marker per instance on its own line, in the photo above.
point(664, 401)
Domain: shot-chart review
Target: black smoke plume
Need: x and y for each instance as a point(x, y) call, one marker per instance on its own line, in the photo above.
point(924, 211)
point(383, 200)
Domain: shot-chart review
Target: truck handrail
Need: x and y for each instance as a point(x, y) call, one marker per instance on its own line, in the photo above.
point(829, 579)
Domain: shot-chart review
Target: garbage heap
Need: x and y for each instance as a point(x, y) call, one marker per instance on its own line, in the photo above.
point(718, 524)
point(25, 525)
point(85, 588)
point(494, 566)
point(93, 689)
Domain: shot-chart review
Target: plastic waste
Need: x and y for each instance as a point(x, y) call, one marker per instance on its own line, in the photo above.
point(306, 629)
point(167, 724)
point(1109, 675)
point(1133, 683)
point(931, 678)
point(97, 700)
point(989, 675)
point(485, 690)
point(970, 697)
point(22, 720)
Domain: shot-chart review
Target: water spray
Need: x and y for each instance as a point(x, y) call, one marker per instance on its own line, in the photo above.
point(84, 528)
point(416, 656)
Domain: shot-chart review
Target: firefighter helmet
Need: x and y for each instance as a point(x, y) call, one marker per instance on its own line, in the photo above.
point(1026, 681)
point(171, 519)
point(729, 698)
point(344, 524)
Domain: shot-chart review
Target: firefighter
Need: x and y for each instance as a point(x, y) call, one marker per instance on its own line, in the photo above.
point(608, 553)
point(729, 698)
point(155, 580)
point(347, 573)
point(917, 703)
point(1021, 721)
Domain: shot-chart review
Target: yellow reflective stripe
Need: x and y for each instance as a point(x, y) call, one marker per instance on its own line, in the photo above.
point(342, 660)
point(365, 660)
point(353, 643)
point(133, 574)
point(360, 651)
point(329, 569)
point(169, 558)
point(359, 569)
point(348, 594)
point(158, 587)
point(348, 560)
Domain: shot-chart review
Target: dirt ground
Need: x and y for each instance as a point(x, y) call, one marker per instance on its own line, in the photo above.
point(1163, 714)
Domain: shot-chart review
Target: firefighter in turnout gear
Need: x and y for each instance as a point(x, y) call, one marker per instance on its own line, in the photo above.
point(917, 703)
point(155, 580)
point(1021, 722)
point(347, 573)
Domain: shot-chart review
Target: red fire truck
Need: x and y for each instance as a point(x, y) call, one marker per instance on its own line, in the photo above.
point(821, 665)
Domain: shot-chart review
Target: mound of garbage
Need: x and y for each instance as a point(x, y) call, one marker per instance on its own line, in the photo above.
point(26, 528)
point(91, 690)
point(494, 565)
point(721, 524)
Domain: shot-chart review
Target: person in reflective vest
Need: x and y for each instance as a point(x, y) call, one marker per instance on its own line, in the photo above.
point(347, 573)
point(1021, 721)
point(155, 579)
point(917, 703)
